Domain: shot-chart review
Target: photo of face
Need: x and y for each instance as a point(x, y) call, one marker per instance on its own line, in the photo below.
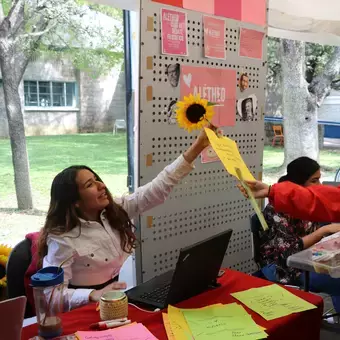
point(246, 108)
point(171, 114)
point(173, 72)
point(244, 82)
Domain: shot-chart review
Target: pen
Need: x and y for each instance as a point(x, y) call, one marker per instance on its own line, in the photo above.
point(110, 324)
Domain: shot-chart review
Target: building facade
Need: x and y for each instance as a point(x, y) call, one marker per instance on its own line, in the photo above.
point(58, 99)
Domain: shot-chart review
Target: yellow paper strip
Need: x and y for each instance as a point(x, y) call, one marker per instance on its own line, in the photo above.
point(223, 323)
point(178, 324)
point(227, 151)
point(253, 202)
point(167, 327)
point(272, 302)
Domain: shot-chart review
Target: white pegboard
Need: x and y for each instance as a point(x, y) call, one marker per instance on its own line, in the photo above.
point(207, 201)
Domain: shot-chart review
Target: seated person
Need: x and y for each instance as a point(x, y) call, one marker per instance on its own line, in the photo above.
point(93, 232)
point(287, 235)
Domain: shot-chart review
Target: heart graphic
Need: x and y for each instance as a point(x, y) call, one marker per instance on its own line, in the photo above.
point(187, 79)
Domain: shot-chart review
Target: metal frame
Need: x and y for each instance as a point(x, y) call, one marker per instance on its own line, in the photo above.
point(207, 201)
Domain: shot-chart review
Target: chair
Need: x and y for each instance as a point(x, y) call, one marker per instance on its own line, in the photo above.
point(120, 124)
point(12, 316)
point(17, 265)
point(256, 229)
point(278, 135)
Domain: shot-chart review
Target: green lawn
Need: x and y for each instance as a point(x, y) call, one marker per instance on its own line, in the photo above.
point(105, 153)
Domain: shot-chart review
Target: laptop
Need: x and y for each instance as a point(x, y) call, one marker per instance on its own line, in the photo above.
point(196, 270)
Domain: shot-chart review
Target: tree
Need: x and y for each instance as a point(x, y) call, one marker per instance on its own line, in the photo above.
point(56, 27)
point(307, 73)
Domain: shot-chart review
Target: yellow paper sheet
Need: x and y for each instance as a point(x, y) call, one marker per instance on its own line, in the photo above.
point(223, 323)
point(178, 324)
point(272, 302)
point(227, 151)
point(167, 327)
point(253, 202)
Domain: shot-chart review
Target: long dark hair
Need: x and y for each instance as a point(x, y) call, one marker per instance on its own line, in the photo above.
point(300, 170)
point(63, 216)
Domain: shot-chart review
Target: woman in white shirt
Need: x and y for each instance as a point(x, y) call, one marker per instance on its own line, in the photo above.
point(85, 224)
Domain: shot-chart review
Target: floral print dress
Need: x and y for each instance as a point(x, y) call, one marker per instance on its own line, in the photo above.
point(282, 239)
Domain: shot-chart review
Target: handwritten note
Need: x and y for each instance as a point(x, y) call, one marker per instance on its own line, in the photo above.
point(178, 324)
point(132, 332)
point(174, 32)
point(223, 322)
point(272, 302)
point(227, 151)
point(167, 327)
point(251, 43)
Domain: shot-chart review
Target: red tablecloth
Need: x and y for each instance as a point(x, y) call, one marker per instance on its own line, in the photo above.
point(304, 325)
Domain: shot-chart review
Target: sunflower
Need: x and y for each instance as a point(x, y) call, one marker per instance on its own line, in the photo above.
point(4, 254)
point(193, 113)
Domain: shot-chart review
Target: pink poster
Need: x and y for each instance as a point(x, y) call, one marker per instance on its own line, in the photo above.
point(214, 41)
point(174, 32)
point(204, 6)
point(231, 9)
point(215, 85)
point(254, 12)
point(251, 43)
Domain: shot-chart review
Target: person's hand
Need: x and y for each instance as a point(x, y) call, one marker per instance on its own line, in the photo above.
point(332, 228)
point(198, 146)
point(202, 140)
point(259, 189)
point(96, 294)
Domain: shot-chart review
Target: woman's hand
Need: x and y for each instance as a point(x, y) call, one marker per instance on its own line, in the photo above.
point(259, 189)
point(198, 146)
point(96, 294)
point(332, 228)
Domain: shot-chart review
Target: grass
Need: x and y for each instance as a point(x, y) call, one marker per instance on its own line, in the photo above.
point(106, 154)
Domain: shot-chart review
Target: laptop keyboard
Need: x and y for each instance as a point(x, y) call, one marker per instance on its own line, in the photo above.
point(159, 294)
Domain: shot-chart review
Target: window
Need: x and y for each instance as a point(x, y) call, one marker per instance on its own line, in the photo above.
point(50, 94)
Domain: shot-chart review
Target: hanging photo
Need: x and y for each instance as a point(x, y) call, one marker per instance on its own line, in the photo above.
point(244, 82)
point(174, 32)
point(173, 72)
point(246, 108)
point(171, 113)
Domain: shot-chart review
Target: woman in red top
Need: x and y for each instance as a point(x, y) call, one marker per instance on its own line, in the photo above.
point(316, 203)
point(319, 203)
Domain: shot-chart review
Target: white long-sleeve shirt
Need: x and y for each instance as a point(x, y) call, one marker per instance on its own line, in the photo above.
point(96, 251)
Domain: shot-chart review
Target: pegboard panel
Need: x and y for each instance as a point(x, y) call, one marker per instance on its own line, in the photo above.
point(207, 201)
